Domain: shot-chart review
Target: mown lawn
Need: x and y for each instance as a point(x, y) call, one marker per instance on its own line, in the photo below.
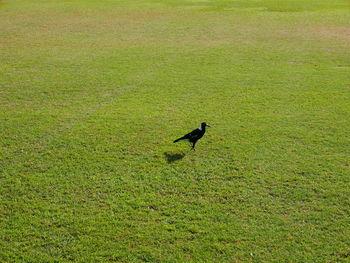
point(92, 94)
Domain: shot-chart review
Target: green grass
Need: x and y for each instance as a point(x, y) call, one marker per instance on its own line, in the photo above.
point(92, 93)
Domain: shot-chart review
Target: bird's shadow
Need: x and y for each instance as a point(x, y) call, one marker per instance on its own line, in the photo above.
point(172, 157)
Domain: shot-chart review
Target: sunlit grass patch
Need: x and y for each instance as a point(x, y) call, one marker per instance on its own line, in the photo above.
point(267, 5)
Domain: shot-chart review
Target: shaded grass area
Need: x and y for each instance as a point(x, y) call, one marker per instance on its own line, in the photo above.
point(92, 95)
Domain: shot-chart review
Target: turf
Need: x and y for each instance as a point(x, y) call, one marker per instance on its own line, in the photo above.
point(93, 93)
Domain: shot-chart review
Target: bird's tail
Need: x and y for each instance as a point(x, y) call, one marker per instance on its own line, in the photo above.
point(182, 138)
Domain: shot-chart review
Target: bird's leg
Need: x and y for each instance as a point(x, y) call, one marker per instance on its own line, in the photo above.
point(193, 146)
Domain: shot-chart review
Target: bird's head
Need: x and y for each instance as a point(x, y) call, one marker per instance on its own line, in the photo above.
point(204, 124)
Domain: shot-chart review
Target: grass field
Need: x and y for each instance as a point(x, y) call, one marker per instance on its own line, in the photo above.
point(93, 93)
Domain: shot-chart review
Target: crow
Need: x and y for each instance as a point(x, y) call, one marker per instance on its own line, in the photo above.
point(194, 135)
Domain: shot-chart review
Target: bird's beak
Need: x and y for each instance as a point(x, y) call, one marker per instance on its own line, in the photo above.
point(208, 125)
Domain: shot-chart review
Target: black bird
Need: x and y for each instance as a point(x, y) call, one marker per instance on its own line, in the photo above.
point(194, 135)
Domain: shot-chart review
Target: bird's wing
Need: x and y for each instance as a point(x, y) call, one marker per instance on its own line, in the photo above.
point(195, 133)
